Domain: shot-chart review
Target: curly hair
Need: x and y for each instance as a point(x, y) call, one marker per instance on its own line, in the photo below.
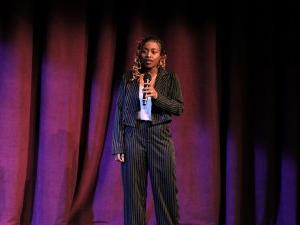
point(137, 65)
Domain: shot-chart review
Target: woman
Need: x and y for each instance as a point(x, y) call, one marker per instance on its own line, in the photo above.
point(141, 137)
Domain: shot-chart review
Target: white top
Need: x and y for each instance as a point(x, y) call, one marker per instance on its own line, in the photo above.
point(145, 112)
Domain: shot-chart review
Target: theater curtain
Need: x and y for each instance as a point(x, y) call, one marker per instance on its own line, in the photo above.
point(237, 141)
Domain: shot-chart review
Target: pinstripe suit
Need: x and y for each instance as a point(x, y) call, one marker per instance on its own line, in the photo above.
point(148, 148)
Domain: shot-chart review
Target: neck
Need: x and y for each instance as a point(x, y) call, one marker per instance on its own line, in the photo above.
point(153, 71)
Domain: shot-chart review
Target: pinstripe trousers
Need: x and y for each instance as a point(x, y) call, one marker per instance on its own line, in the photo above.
point(149, 149)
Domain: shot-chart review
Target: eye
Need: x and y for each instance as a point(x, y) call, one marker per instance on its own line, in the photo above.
point(155, 51)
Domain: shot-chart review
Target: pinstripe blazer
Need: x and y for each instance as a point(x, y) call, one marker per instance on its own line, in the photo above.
point(168, 103)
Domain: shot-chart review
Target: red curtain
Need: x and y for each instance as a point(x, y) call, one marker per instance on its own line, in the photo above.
point(237, 142)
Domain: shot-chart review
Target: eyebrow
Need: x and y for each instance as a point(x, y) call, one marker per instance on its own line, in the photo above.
point(151, 48)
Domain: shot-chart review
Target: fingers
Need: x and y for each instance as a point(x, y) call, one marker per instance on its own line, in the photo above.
point(150, 92)
point(120, 157)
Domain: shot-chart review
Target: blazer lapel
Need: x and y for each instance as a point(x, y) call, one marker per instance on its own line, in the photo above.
point(133, 95)
point(161, 80)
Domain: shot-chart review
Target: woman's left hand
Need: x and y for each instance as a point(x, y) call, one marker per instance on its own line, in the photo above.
point(150, 91)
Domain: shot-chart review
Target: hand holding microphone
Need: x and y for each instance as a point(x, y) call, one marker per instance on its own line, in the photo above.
point(148, 90)
point(147, 79)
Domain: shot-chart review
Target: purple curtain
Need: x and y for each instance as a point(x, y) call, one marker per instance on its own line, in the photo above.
point(237, 142)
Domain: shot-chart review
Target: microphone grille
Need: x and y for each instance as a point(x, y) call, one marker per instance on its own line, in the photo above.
point(147, 77)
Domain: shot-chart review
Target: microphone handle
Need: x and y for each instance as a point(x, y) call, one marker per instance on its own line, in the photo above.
point(144, 95)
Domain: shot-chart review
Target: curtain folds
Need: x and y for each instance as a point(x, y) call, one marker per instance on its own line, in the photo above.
point(237, 142)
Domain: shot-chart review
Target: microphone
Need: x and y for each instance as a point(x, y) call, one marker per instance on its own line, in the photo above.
point(147, 79)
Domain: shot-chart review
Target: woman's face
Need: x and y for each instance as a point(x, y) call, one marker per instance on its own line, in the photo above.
point(150, 54)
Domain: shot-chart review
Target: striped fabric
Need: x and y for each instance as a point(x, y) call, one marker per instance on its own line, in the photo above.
point(148, 148)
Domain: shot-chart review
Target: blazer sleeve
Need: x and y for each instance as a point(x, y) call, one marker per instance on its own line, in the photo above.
point(173, 103)
point(118, 128)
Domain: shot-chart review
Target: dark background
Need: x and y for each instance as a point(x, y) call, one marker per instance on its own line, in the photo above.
point(237, 142)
